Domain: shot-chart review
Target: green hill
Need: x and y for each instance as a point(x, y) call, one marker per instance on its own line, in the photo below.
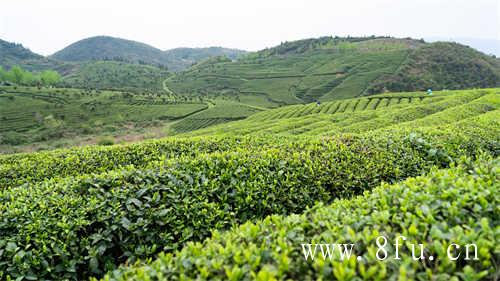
point(116, 75)
point(117, 49)
point(441, 65)
point(331, 68)
point(110, 48)
point(377, 112)
point(12, 54)
point(29, 114)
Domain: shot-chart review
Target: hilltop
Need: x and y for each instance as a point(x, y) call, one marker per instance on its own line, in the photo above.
point(179, 59)
point(330, 68)
point(324, 69)
point(123, 50)
point(110, 48)
point(12, 54)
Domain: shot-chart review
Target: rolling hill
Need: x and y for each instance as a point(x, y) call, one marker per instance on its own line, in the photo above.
point(12, 54)
point(110, 48)
point(117, 49)
point(86, 74)
point(331, 68)
point(116, 75)
point(367, 114)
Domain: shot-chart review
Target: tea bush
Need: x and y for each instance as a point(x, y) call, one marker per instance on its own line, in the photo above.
point(458, 205)
point(76, 227)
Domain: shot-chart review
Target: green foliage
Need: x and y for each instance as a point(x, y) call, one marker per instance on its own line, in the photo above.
point(330, 68)
point(447, 206)
point(167, 199)
point(220, 113)
point(19, 76)
point(98, 159)
point(49, 77)
point(24, 109)
point(379, 112)
point(116, 75)
point(121, 50)
point(106, 141)
point(441, 65)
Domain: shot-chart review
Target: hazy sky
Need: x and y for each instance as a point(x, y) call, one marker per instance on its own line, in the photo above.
point(46, 26)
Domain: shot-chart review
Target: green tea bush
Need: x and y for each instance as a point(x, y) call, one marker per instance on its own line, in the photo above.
point(458, 205)
point(19, 169)
point(77, 227)
point(106, 141)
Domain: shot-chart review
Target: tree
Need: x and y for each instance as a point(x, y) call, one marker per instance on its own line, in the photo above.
point(16, 74)
point(50, 77)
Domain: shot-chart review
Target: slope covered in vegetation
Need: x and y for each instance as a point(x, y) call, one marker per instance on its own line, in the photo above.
point(108, 48)
point(12, 54)
point(72, 214)
point(30, 114)
point(384, 111)
point(442, 65)
point(116, 75)
point(332, 68)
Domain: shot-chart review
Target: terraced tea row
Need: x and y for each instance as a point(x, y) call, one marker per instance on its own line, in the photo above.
point(19, 169)
point(445, 207)
point(26, 108)
point(133, 213)
point(348, 116)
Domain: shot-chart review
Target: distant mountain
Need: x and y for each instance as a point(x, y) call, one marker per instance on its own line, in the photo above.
point(117, 49)
point(182, 58)
point(325, 68)
point(12, 54)
point(110, 48)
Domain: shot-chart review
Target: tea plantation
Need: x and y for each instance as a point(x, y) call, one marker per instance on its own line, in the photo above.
point(235, 201)
point(30, 114)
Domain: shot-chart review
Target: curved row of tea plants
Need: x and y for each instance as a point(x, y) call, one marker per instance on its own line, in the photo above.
point(445, 107)
point(458, 205)
point(18, 169)
point(73, 228)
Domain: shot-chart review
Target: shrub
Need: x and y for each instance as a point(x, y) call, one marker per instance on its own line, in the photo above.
point(458, 205)
point(106, 141)
point(12, 138)
point(125, 215)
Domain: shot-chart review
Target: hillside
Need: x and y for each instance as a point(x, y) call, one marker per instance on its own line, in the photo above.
point(110, 48)
point(29, 114)
point(226, 206)
point(441, 65)
point(361, 115)
point(86, 74)
point(12, 54)
point(179, 59)
point(117, 49)
point(116, 75)
point(331, 68)
point(52, 117)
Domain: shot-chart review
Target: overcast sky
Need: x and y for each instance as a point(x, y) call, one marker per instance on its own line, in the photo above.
point(46, 26)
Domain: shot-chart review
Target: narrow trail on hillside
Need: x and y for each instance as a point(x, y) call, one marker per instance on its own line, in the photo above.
point(167, 89)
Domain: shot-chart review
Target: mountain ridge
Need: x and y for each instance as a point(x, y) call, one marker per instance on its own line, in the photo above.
point(118, 49)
